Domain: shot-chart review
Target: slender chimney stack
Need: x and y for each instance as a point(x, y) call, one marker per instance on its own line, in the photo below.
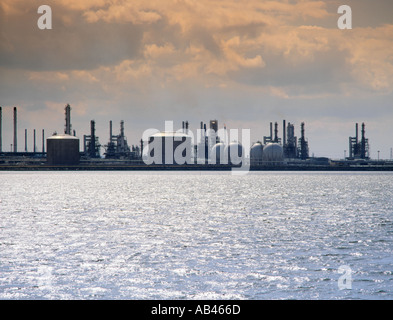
point(363, 142)
point(122, 128)
point(15, 131)
point(25, 140)
point(110, 131)
point(284, 138)
point(141, 149)
point(276, 132)
point(67, 129)
point(43, 141)
point(1, 129)
point(34, 143)
point(92, 146)
point(271, 130)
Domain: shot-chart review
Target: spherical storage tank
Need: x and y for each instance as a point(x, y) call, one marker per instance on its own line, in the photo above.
point(62, 149)
point(217, 155)
point(234, 152)
point(272, 154)
point(256, 153)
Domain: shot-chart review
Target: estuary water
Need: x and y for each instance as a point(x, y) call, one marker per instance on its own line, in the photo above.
point(196, 235)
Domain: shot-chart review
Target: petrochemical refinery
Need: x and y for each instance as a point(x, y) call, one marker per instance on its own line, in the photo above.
point(209, 148)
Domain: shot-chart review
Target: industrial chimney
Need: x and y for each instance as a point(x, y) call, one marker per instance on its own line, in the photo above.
point(1, 129)
point(276, 132)
point(67, 129)
point(15, 131)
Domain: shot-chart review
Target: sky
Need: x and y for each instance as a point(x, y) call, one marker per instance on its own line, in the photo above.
point(244, 63)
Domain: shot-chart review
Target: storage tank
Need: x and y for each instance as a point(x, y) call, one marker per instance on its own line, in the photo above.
point(217, 155)
point(169, 148)
point(234, 152)
point(273, 154)
point(256, 153)
point(62, 149)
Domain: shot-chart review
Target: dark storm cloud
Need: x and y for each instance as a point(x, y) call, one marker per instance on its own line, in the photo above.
point(73, 43)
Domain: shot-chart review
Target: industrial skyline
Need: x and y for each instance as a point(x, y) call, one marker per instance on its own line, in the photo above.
point(207, 137)
point(246, 66)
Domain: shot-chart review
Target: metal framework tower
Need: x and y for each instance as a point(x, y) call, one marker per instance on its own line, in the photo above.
point(91, 145)
point(271, 138)
point(359, 149)
point(118, 146)
point(303, 144)
point(290, 145)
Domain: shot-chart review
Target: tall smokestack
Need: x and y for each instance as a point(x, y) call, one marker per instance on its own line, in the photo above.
point(122, 128)
point(15, 131)
point(92, 146)
point(34, 142)
point(357, 133)
point(43, 140)
point(276, 132)
point(25, 140)
point(1, 129)
point(110, 131)
point(67, 129)
point(271, 130)
point(141, 149)
point(284, 138)
point(363, 142)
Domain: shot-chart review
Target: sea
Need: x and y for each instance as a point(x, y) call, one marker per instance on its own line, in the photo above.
point(196, 235)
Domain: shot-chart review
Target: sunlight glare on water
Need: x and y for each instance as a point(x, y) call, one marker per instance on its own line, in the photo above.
point(190, 235)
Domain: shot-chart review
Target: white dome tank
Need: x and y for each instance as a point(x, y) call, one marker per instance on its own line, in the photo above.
point(217, 155)
point(273, 154)
point(256, 153)
point(235, 150)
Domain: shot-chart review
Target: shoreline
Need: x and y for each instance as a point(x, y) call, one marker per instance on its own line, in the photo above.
point(191, 167)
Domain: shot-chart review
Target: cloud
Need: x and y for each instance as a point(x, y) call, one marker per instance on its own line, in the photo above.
point(371, 57)
point(73, 43)
point(127, 12)
point(258, 42)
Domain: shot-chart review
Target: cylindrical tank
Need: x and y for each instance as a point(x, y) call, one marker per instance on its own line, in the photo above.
point(169, 148)
point(256, 153)
point(62, 149)
point(272, 154)
point(234, 152)
point(217, 155)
